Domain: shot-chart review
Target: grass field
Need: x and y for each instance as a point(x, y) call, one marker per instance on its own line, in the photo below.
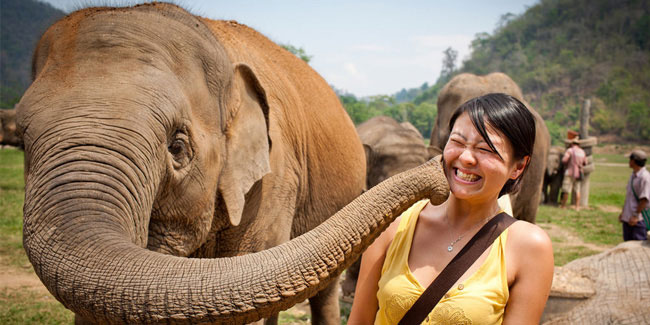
point(589, 230)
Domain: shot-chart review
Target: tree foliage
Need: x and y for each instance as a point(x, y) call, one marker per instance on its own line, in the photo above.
point(21, 24)
point(298, 51)
point(448, 64)
point(422, 115)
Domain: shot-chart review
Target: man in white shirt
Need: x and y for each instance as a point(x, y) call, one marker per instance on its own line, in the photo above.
point(636, 199)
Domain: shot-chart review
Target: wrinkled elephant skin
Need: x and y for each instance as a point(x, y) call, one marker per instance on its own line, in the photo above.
point(175, 165)
point(466, 86)
point(606, 288)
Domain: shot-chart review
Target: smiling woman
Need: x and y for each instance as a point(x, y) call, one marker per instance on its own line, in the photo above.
point(489, 148)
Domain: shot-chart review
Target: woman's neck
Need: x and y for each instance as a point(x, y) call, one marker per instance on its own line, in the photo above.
point(463, 214)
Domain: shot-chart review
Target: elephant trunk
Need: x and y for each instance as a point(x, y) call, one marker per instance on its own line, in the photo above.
point(85, 233)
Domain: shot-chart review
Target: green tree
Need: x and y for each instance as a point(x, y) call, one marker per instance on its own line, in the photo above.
point(298, 51)
point(638, 121)
point(423, 117)
point(448, 63)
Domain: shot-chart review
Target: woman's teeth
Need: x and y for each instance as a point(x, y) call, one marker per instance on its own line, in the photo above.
point(467, 177)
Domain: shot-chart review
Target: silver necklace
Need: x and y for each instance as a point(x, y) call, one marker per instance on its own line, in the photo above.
point(451, 245)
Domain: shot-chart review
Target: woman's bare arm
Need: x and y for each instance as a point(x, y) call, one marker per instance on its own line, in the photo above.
point(531, 255)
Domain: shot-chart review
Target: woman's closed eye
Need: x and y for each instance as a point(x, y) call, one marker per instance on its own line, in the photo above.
point(457, 142)
point(486, 149)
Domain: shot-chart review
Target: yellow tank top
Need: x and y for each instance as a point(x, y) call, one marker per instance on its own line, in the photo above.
point(480, 299)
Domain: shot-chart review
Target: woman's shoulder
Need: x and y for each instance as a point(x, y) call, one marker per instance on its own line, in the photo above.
point(528, 251)
point(527, 238)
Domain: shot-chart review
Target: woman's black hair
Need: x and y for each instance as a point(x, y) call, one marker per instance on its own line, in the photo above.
point(509, 117)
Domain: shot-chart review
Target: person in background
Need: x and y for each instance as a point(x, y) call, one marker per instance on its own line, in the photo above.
point(574, 159)
point(636, 198)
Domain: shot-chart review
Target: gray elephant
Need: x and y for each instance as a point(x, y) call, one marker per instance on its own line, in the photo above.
point(607, 288)
point(409, 126)
point(391, 148)
point(8, 136)
point(466, 86)
point(166, 153)
point(553, 175)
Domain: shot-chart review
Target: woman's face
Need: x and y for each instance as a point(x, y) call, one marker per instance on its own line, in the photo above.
point(474, 171)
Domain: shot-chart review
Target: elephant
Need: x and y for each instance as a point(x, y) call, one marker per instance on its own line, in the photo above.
point(466, 86)
point(408, 125)
point(391, 148)
point(607, 288)
point(180, 169)
point(553, 176)
point(8, 136)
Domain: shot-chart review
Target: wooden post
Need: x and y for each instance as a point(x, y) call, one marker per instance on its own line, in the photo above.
point(586, 143)
point(584, 119)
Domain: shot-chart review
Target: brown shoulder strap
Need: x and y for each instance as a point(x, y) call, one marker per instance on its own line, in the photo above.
point(456, 268)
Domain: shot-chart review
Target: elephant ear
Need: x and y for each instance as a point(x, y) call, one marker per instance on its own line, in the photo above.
point(368, 150)
point(247, 141)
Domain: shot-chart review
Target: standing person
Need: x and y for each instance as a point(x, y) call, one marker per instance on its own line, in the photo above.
point(488, 150)
point(574, 159)
point(636, 198)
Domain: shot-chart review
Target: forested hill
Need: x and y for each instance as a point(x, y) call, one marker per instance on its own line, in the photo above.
point(22, 22)
point(561, 52)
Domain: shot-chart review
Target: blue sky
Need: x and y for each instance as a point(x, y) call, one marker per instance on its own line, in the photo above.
point(363, 47)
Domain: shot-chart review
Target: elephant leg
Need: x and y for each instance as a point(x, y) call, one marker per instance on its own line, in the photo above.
point(273, 320)
point(325, 305)
point(349, 284)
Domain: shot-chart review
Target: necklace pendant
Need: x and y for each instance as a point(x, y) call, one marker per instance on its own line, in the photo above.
point(450, 248)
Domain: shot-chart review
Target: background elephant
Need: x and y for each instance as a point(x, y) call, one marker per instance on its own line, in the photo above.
point(152, 135)
point(606, 288)
point(408, 125)
point(8, 136)
point(391, 148)
point(466, 86)
point(553, 176)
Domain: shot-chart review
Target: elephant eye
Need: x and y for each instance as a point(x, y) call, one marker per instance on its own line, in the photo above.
point(180, 150)
point(177, 147)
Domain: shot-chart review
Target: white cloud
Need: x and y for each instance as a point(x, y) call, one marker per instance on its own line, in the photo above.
point(352, 70)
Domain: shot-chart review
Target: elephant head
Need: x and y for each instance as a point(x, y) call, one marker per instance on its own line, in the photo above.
point(391, 148)
point(137, 147)
point(554, 161)
point(553, 176)
point(466, 86)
